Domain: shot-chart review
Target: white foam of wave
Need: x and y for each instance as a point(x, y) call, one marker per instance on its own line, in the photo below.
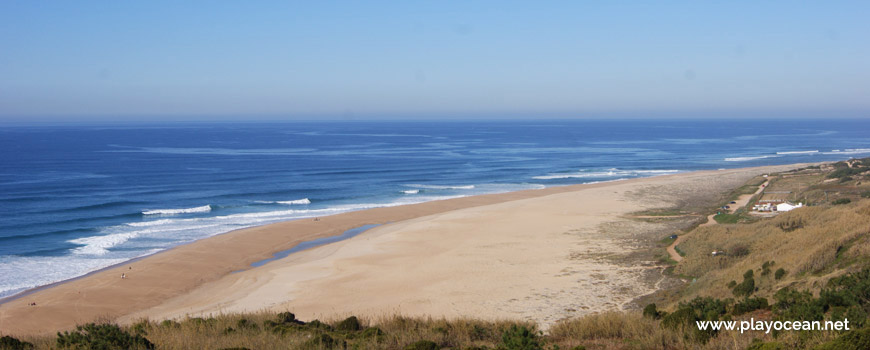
point(202, 209)
point(743, 159)
point(849, 151)
point(442, 187)
point(19, 273)
point(296, 201)
point(797, 152)
point(612, 172)
point(99, 245)
point(293, 202)
point(411, 191)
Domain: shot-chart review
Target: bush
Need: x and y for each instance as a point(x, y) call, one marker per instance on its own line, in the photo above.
point(748, 274)
point(652, 312)
point(316, 324)
point(797, 306)
point(732, 284)
point(350, 324)
point(779, 274)
point(739, 250)
point(845, 172)
point(520, 338)
point(9, 343)
point(422, 345)
point(842, 201)
point(854, 340)
point(745, 288)
point(323, 341)
point(374, 334)
point(102, 337)
point(287, 317)
point(749, 305)
point(683, 319)
point(865, 194)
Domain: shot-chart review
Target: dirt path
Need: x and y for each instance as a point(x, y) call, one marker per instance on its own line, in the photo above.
point(672, 249)
point(744, 199)
point(741, 202)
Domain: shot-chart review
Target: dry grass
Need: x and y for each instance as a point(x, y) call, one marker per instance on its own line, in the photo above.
point(812, 244)
point(615, 330)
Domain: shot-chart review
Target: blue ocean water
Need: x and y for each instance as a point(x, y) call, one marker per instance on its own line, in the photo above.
point(74, 199)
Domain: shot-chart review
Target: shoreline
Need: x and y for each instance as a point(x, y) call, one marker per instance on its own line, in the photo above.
point(28, 291)
point(155, 279)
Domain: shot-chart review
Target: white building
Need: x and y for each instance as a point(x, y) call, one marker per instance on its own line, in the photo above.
point(787, 207)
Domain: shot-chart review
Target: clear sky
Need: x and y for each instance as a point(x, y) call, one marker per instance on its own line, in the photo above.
point(150, 60)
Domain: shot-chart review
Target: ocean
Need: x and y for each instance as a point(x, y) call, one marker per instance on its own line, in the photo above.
point(75, 199)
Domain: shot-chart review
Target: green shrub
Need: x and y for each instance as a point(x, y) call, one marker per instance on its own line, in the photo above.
point(286, 317)
point(853, 340)
point(765, 268)
point(422, 345)
point(683, 319)
point(101, 337)
point(372, 332)
point(732, 284)
point(842, 201)
point(749, 305)
point(745, 288)
point(9, 343)
point(316, 324)
point(520, 338)
point(350, 324)
point(779, 274)
point(246, 324)
point(845, 172)
point(793, 305)
point(652, 312)
point(748, 274)
point(323, 341)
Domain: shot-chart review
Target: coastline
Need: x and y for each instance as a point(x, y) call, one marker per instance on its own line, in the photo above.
point(158, 287)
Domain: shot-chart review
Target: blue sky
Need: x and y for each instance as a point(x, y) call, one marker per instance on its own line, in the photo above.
point(115, 60)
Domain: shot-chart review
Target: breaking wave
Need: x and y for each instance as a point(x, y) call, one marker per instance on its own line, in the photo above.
point(441, 187)
point(202, 209)
point(612, 172)
point(743, 159)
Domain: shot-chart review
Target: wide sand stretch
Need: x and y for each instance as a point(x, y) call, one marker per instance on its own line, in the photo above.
point(539, 255)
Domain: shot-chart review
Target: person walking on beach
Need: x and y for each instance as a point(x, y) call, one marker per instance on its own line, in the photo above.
point(123, 276)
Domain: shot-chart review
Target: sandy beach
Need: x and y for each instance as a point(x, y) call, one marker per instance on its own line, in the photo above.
point(539, 255)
